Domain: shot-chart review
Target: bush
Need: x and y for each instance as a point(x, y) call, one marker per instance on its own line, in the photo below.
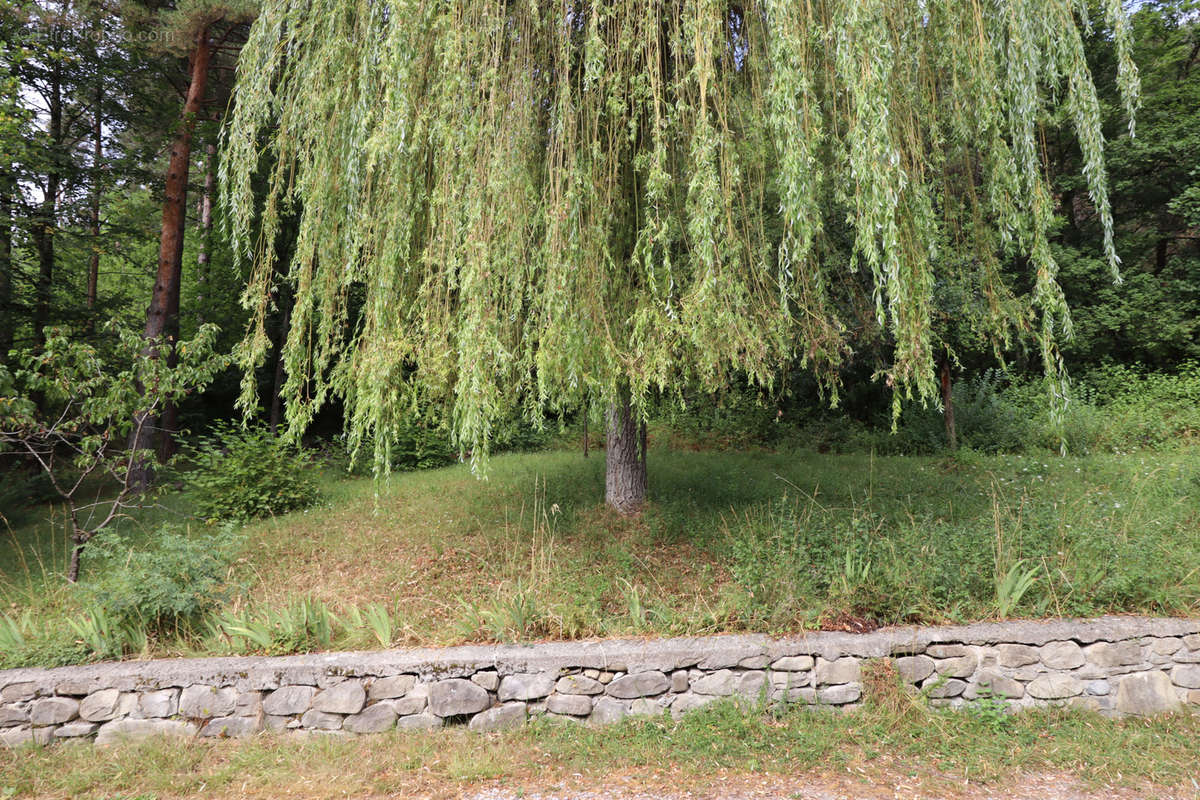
point(1117, 408)
point(240, 474)
point(20, 492)
point(986, 419)
point(29, 642)
point(736, 418)
point(421, 445)
point(1146, 409)
point(164, 583)
point(135, 590)
point(519, 436)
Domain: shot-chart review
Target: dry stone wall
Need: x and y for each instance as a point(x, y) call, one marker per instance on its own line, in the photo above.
point(1114, 665)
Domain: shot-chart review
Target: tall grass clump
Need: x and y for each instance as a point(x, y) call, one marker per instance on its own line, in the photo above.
point(304, 625)
point(797, 562)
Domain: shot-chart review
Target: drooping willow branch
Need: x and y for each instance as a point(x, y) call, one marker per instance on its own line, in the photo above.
point(541, 201)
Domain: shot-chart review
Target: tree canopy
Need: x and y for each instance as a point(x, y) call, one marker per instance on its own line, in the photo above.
point(504, 203)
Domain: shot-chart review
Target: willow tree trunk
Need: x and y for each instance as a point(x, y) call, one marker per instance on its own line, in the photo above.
point(277, 407)
point(948, 405)
point(163, 313)
point(625, 458)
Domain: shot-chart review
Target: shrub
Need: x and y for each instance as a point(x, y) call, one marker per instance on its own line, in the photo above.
point(1115, 408)
point(519, 436)
point(303, 626)
point(736, 418)
point(71, 411)
point(240, 474)
point(1147, 409)
point(986, 419)
point(162, 584)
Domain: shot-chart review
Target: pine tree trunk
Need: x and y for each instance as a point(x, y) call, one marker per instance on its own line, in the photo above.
point(47, 218)
point(948, 405)
point(7, 187)
point(625, 458)
point(162, 317)
point(168, 423)
point(93, 282)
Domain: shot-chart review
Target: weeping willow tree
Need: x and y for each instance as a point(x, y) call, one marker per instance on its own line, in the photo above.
point(537, 205)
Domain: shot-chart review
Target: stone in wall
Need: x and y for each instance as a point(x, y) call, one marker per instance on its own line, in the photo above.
point(289, 700)
point(372, 719)
point(161, 703)
point(486, 680)
point(100, 706)
point(526, 687)
point(346, 697)
point(53, 711)
point(204, 702)
point(914, 669)
point(1186, 676)
point(1062, 655)
point(793, 664)
point(1017, 655)
point(608, 710)
point(454, 696)
point(842, 670)
point(581, 684)
point(420, 722)
point(231, 727)
point(394, 686)
point(133, 729)
point(1107, 654)
point(1054, 686)
point(574, 705)
point(642, 684)
point(1146, 693)
point(500, 717)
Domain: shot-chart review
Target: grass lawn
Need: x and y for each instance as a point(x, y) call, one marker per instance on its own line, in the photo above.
point(761, 541)
point(891, 741)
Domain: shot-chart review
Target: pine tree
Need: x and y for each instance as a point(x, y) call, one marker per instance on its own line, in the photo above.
point(198, 30)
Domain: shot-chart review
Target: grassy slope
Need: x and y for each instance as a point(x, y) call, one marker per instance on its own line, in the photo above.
point(736, 540)
point(731, 541)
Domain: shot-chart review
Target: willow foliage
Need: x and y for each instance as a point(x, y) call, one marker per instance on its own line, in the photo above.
point(535, 203)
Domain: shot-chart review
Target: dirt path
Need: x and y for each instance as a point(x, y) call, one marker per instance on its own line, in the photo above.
point(849, 786)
